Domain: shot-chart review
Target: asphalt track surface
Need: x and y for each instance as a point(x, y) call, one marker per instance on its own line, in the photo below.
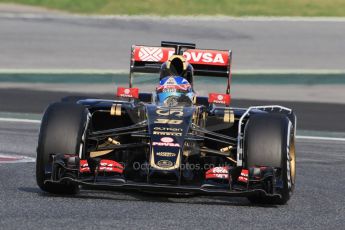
point(318, 201)
point(59, 42)
point(311, 116)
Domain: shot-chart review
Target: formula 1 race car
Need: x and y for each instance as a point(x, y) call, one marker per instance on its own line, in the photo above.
point(172, 140)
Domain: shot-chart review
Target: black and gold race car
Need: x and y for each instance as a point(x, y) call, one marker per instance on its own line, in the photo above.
point(172, 140)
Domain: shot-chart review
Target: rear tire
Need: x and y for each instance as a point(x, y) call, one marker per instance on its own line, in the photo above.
point(61, 132)
point(270, 141)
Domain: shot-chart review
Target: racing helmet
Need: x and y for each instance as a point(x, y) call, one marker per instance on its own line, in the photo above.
point(177, 65)
point(173, 91)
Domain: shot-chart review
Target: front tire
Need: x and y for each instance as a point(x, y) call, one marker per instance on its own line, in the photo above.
point(270, 141)
point(61, 132)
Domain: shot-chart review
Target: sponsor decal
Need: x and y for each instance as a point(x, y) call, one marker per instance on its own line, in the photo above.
point(172, 129)
point(164, 133)
point(169, 90)
point(170, 81)
point(218, 173)
point(166, 154)
point(166, 144)
point(153, 54)
point(244, 176)
point(168, 121)
point(104, 166)
point(213, 57)
point(219, 98)
point(167, 131)
point(165, 163)
point(128, 92)
point(150, 54)
point(167, 139)
point(178, 112)
point(164, 88)
point(288, 169)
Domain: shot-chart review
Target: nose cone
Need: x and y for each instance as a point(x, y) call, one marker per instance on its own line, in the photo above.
point(168, 127)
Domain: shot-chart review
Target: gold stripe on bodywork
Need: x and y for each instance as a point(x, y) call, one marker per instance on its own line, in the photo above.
point(112, 110)
point(99, 153)
point(229, 116)
point(115, 110)
point(194, 100)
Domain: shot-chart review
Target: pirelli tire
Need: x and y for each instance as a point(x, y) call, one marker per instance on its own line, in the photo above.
point(269, 140)
point(61, 131)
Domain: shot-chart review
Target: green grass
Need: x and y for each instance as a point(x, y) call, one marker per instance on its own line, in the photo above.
point(196, 7)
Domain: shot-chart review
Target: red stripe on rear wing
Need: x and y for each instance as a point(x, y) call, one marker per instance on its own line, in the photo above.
point(193, 56)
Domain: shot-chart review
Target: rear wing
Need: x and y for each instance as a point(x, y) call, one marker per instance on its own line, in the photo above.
point(206, 62)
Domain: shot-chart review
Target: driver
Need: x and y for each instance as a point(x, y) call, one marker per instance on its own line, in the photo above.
point(174, 91)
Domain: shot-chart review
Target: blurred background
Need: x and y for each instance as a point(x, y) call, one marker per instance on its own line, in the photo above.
point(283, 51)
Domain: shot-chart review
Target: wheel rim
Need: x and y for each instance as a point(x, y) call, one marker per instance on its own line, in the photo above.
point(292, 154)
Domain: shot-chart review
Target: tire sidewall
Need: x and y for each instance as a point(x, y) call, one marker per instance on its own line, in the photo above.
point(286, 177)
